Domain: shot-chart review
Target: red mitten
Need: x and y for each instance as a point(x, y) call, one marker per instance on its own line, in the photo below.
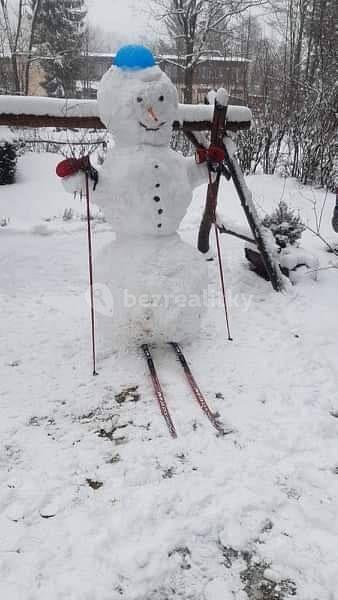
point(71, 166)
point(215, 154)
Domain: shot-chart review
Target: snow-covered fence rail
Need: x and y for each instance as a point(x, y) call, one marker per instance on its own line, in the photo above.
point(33, 111)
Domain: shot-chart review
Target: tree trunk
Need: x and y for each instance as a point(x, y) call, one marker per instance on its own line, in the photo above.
point(12, 43)
point(189, 71)
point(188, 85)
point(30, 46)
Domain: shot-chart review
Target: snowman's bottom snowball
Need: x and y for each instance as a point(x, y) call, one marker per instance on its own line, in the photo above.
point(149, 290)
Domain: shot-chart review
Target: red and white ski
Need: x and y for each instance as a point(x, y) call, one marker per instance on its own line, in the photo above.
point(197, 392)
point(213, 417)
point(158, 391)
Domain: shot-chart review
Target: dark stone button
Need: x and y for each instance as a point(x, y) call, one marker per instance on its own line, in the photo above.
point(156, 166)
point(157, 198)
point(159, 225)
point(157, 185)
point(160, 211)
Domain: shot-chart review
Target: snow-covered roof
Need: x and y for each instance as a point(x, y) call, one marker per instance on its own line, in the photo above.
point(93, 84)
point(176, 57)
point(110, 55)
point(207, 57)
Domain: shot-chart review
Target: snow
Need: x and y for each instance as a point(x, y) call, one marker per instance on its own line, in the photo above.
point(270, 488)
point(124, 100)
point(218, 589)
point(204, 112)
point(292, 256)
point(6, 136)
point(82, 85)
point(24, 209)
point(41, 106)
point(222, 96)
point(207, 58)
point(109, 55)
point(58, 107)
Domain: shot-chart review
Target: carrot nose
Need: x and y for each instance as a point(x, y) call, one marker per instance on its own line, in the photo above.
point(152, 113)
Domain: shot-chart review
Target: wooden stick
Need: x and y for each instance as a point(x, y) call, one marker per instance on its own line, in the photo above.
point(223, 229)
point(76, 122)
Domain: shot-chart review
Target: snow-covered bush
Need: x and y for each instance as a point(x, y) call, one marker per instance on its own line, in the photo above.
point(68, 142)
point(8, 156)
point(285, 224)
point(298, 143)
point(180, 143)
point(250, 149)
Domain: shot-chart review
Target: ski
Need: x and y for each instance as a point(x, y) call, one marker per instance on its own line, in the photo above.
point(231, 169)
point(158, 390)
point(197, 392)
point(262, 236)
point(215, 172)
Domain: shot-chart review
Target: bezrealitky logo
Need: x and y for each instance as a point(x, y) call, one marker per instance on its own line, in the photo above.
point(210, 298)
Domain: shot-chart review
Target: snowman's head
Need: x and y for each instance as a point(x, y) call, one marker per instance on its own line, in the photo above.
point(137, 101)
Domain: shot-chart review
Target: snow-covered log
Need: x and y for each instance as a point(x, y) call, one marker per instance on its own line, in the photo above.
point(33, 111)
point(292, 261)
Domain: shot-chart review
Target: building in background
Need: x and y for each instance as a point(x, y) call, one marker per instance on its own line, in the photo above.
point(212, 72)
point(36, 76)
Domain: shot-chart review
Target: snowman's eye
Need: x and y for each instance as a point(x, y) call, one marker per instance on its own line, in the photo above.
point(161, 98)
point(139, 99)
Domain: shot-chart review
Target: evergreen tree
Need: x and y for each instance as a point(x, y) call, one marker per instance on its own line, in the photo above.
point(286, 226)
point(59, 40)
point(8, 156)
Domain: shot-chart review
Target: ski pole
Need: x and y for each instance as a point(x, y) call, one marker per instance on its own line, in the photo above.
point(91, 279)
point(220, 260)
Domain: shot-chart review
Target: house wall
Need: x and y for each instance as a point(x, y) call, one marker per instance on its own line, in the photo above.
point(36, 77)
point(212, 73)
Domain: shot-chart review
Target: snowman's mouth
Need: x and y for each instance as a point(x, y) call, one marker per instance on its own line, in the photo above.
point(152, 128)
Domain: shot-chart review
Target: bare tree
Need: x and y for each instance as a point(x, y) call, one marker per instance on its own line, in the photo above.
point(5, 83)
point(13, 34)
point(43, 32)
point(193, 25)
point(18, 33)
point(31, 39)
point(294, 84)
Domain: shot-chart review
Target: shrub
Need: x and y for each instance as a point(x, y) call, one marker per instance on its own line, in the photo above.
point(285, 224)
point(8, 156)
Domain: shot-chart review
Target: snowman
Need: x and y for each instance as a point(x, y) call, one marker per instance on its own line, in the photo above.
point(150, 283)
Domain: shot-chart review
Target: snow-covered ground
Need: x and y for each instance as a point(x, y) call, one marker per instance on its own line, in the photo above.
point(97, 501)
